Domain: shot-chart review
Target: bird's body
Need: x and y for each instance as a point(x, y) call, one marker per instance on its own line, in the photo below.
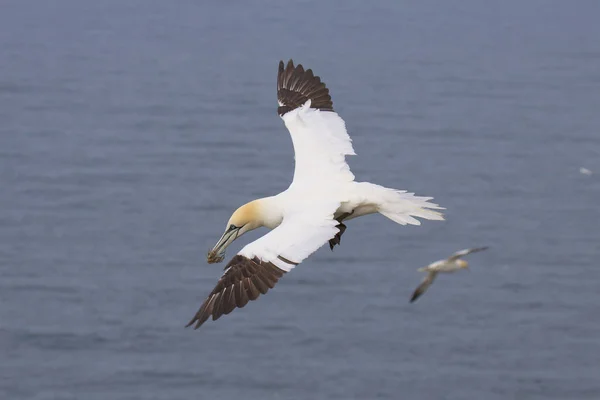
point(451, 264)
point(310, 213)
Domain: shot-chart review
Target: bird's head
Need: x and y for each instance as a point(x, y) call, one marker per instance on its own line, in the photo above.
point(244, 219)
point(463, 264)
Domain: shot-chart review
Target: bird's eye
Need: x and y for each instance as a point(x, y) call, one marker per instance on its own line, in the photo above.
point(232, 227)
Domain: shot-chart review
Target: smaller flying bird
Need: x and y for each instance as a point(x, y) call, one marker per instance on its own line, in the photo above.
point(450, 264)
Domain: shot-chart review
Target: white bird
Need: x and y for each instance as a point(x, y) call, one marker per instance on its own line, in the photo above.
point(310, 212)
point(450, 264)
point(585, 171)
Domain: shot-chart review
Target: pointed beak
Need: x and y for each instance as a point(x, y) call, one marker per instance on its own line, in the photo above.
point(217, 254)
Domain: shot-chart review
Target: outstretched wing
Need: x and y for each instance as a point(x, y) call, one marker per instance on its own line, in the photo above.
point(462, 253)
point(423, 286)
point(318, 133)
point(244, 280)
point(260, 264)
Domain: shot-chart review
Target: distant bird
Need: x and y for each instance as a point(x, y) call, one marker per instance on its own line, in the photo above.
point(311, 211)
point(585, 171)
point(450, 264)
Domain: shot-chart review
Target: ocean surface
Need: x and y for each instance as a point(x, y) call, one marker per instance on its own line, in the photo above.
point(130, 130)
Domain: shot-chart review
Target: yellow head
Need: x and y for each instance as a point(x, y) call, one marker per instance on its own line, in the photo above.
point(244, 219)
point(463, 264)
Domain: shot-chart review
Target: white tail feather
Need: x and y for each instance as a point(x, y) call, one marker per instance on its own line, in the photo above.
point(402, 208)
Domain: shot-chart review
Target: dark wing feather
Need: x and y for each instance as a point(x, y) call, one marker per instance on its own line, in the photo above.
point(465, 252)
point(244, 280)
point(423, 286)
point(295, 86)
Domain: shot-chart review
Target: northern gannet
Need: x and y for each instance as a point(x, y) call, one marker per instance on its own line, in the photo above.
point(450, 264)
point(310, 212)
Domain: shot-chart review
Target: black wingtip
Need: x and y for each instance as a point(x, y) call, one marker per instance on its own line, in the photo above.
point(192, 322)
point(415, 296)
point(244, 279)
point(478, 249)
point(198, 320)
point(295, 86)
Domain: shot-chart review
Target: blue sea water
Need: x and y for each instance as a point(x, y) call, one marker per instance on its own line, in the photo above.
point(130, 130)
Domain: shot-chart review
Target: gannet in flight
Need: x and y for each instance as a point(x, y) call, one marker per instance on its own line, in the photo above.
point(450, 264)
point(310, 212)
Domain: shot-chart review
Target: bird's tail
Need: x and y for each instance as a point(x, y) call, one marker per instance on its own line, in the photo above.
point(403, 207)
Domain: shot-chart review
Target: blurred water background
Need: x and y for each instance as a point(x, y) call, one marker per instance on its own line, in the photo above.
point(130, 130)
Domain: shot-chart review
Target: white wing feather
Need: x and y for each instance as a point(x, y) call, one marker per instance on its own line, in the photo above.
point(320, 145)
point(299, 235)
